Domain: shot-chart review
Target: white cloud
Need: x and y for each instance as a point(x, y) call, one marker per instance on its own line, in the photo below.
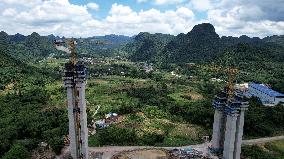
point(162, 2)
point(120, 9)
point(201, 5)
point(185, 12)
point(9, 12)
point(60, 17)
point(126, 21)
point(93, 6)
point(247, 17)
point(22, 2)
point(46, 17)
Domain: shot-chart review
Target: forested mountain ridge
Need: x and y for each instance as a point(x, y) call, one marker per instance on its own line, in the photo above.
point(100, 46)
point(27, 48)
point(275, 39)
point(15, 71)
point(230, 41)
point(201, 44)
point(147, 47)
point(34, 47)
point(111, 39)
point(11, 69)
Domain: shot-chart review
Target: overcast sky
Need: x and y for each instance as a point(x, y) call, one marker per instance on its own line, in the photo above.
point(85, 18)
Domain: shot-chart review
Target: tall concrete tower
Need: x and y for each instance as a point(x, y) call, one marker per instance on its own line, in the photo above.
point(75, 83)
point(228, 124)
point(80, 81)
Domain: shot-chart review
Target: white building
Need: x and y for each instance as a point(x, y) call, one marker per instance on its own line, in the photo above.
point(265, 94)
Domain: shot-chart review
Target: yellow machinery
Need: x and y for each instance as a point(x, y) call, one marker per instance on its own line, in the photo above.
point(231, 73)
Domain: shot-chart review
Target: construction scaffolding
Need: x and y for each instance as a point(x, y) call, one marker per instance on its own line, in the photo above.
point(228, 124)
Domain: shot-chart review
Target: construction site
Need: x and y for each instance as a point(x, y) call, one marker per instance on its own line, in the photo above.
point(226, 141)
point(141, 79)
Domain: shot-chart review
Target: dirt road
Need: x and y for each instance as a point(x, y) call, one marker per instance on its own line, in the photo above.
point(262, 140)
point(109, 151)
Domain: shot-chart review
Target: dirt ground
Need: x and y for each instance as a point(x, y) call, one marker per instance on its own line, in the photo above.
point(143, 154)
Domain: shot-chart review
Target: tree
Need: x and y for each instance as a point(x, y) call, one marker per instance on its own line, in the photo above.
point(17, 151)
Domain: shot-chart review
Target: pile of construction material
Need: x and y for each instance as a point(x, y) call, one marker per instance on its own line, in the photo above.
point(109, 119)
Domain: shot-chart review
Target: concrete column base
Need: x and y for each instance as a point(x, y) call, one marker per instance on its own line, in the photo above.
point(217, 126)
point(230, 136)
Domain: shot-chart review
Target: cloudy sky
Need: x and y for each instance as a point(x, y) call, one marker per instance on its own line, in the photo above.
point(85, 18)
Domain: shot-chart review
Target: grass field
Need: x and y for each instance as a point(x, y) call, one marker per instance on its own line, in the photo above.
point(270, 150)
point(277, 147)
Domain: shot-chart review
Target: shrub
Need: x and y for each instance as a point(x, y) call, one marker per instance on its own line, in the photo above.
point(117, 136)
point(152, 139)
point(255, 152)
point(18, 151)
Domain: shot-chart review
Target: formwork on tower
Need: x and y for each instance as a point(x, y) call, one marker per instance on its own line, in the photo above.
point(228, 124)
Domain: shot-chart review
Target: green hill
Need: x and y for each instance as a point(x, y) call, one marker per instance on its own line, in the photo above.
point(25, 120)
point(148, 47)
point(203, 44)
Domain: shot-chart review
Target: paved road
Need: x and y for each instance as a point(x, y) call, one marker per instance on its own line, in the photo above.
point(109, 151)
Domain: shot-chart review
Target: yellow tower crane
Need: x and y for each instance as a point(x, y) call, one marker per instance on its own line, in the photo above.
point(231, 74)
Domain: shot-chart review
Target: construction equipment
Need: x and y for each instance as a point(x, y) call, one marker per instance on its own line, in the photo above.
point(231, 76)
point(229, 113)
point(228, 118)
point(74, 80)
point(232, 72)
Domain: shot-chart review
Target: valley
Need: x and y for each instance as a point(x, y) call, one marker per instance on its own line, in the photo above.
point(159, 86)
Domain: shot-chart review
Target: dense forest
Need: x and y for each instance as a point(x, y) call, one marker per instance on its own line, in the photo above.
point(25, 119)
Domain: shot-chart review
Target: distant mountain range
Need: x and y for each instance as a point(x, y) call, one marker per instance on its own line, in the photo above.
point(112, 38)
point(261, 59)
point(202, 43)
point(35, 47)
point(26, 48)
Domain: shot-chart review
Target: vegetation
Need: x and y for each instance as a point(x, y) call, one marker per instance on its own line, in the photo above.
point(147, 47)
point(263, 121)
point(167, 106)
point(271, 150)
point(26, 116)
point(18, 151)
